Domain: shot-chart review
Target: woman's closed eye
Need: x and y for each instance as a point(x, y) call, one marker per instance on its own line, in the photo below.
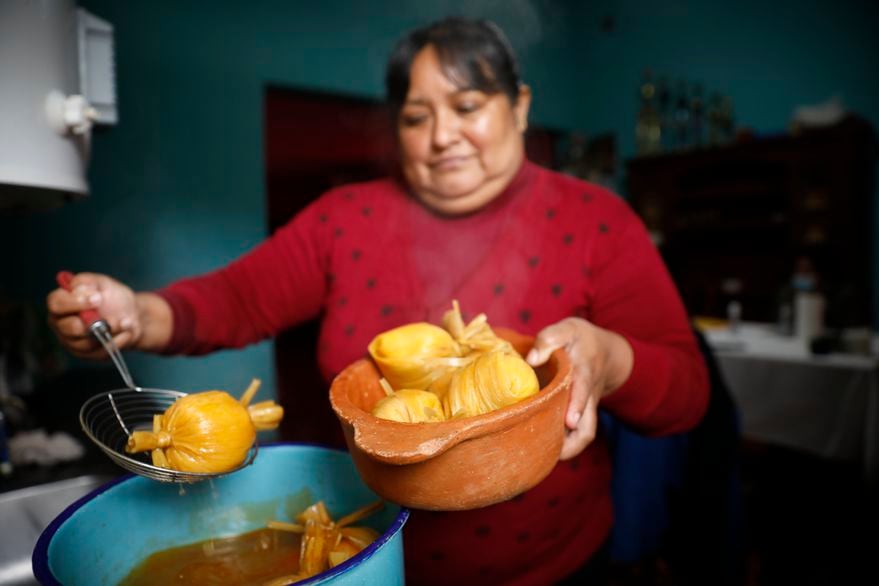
point(412, 119)
point(467, 107)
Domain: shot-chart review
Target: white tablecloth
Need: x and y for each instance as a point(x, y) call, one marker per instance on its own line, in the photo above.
point(827, 405)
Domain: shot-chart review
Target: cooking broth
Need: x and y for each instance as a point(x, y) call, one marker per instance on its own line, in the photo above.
point(242, 560)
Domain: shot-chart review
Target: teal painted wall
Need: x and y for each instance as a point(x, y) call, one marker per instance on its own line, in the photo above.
point(770, 57)
point(178, 186)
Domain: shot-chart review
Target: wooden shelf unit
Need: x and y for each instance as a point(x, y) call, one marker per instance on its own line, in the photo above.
point(731, 220)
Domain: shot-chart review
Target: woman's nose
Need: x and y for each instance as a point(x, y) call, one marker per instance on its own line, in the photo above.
point(446, 130)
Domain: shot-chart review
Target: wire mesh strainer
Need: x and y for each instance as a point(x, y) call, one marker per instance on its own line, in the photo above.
point(108, 419)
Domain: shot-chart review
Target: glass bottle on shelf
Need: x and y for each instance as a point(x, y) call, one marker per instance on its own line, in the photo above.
point(697, 117)
point(682, 117)
point(715, 122)
point(647, 127)
point(664, 110)
point(728, 119)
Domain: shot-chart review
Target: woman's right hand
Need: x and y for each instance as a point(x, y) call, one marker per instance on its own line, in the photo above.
point(114, 301)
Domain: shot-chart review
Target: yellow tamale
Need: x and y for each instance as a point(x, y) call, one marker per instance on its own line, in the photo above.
point(409, 406)
point(414, 355)
point(492, 381)
point(207, 432)
point(476, 336)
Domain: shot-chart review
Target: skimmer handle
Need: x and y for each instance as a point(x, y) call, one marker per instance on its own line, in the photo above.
point(88, 316)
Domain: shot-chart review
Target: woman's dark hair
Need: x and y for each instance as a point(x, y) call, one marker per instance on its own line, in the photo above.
point(474, 54)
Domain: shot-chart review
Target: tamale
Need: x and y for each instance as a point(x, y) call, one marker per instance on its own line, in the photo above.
point(414, 355)
point(492, 381)
point(326, 543)
point(477, 336)
point(207, 432)
point(408, 405)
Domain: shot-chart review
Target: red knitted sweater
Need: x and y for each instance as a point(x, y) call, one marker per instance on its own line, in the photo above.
point(368, 257)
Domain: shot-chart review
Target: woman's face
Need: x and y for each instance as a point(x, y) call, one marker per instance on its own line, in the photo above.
point(460, 147)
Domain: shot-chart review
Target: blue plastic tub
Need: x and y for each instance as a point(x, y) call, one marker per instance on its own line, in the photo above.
point(100, 538)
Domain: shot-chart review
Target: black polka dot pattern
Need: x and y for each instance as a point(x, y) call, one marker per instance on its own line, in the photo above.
point(483, 531)
point(322, 218)
point(366, 211)
point(550, 214)
point(525, 316)
point(568, 239)
point(342, 302)
point(370, 283)
point(437, 556)
point(331, 278)
point(348, 195)
point(533, 261)
point(603, 228)
point(523, 537)
point(553, 502)
point(387, 310)
point(338, 232)
point(586, 197)
point(498, 289)
point(586, 271)
point(349, 329)
point(356, 254)
point(556, 290)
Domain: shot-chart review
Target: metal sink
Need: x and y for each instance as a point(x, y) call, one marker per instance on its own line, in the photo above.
point(24, 513)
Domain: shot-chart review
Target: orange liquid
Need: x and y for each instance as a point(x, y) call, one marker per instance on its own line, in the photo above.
point(250, 558)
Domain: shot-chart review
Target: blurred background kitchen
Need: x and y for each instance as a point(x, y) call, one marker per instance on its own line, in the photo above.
point(744, 136)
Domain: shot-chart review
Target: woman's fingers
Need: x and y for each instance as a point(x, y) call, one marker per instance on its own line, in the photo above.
point(579, 396)
point(550, 339)
point(115, 302)
point(123, 339)
point(70, 327)
point(565, 334)
point(62, 302)
point(586, 349)
point(581, 436)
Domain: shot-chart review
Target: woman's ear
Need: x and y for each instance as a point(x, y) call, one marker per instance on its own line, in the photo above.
point(523, 105)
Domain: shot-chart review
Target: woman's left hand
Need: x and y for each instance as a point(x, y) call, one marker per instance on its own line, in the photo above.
point(602, 361)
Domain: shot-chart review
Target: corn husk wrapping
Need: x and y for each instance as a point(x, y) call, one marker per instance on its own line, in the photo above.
point(476, 337)
point(424, 357)
point(410, 406)
point(208, 432)
point(414, 355)
point(326, 543)
point(492, 381)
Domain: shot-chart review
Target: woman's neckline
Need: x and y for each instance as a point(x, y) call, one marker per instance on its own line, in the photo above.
point(520, 181)
point(425, 231)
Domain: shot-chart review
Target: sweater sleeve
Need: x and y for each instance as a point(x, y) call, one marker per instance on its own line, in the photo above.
point(667, 390)
point(281, 282)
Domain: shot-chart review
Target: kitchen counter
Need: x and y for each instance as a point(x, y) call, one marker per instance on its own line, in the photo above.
point(33, 495)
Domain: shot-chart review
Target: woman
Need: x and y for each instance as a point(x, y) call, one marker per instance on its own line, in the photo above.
point(468, 219)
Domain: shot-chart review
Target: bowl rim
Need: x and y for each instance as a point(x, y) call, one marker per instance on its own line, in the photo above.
point(455, 430)
point(40, 556)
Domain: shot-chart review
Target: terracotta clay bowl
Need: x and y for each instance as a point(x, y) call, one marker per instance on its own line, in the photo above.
point(460, 464)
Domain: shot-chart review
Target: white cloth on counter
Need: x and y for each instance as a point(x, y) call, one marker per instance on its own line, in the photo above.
point(827, 405)
point(38, 447)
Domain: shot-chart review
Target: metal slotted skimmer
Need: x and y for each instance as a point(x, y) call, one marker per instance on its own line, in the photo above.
point(109, 418)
